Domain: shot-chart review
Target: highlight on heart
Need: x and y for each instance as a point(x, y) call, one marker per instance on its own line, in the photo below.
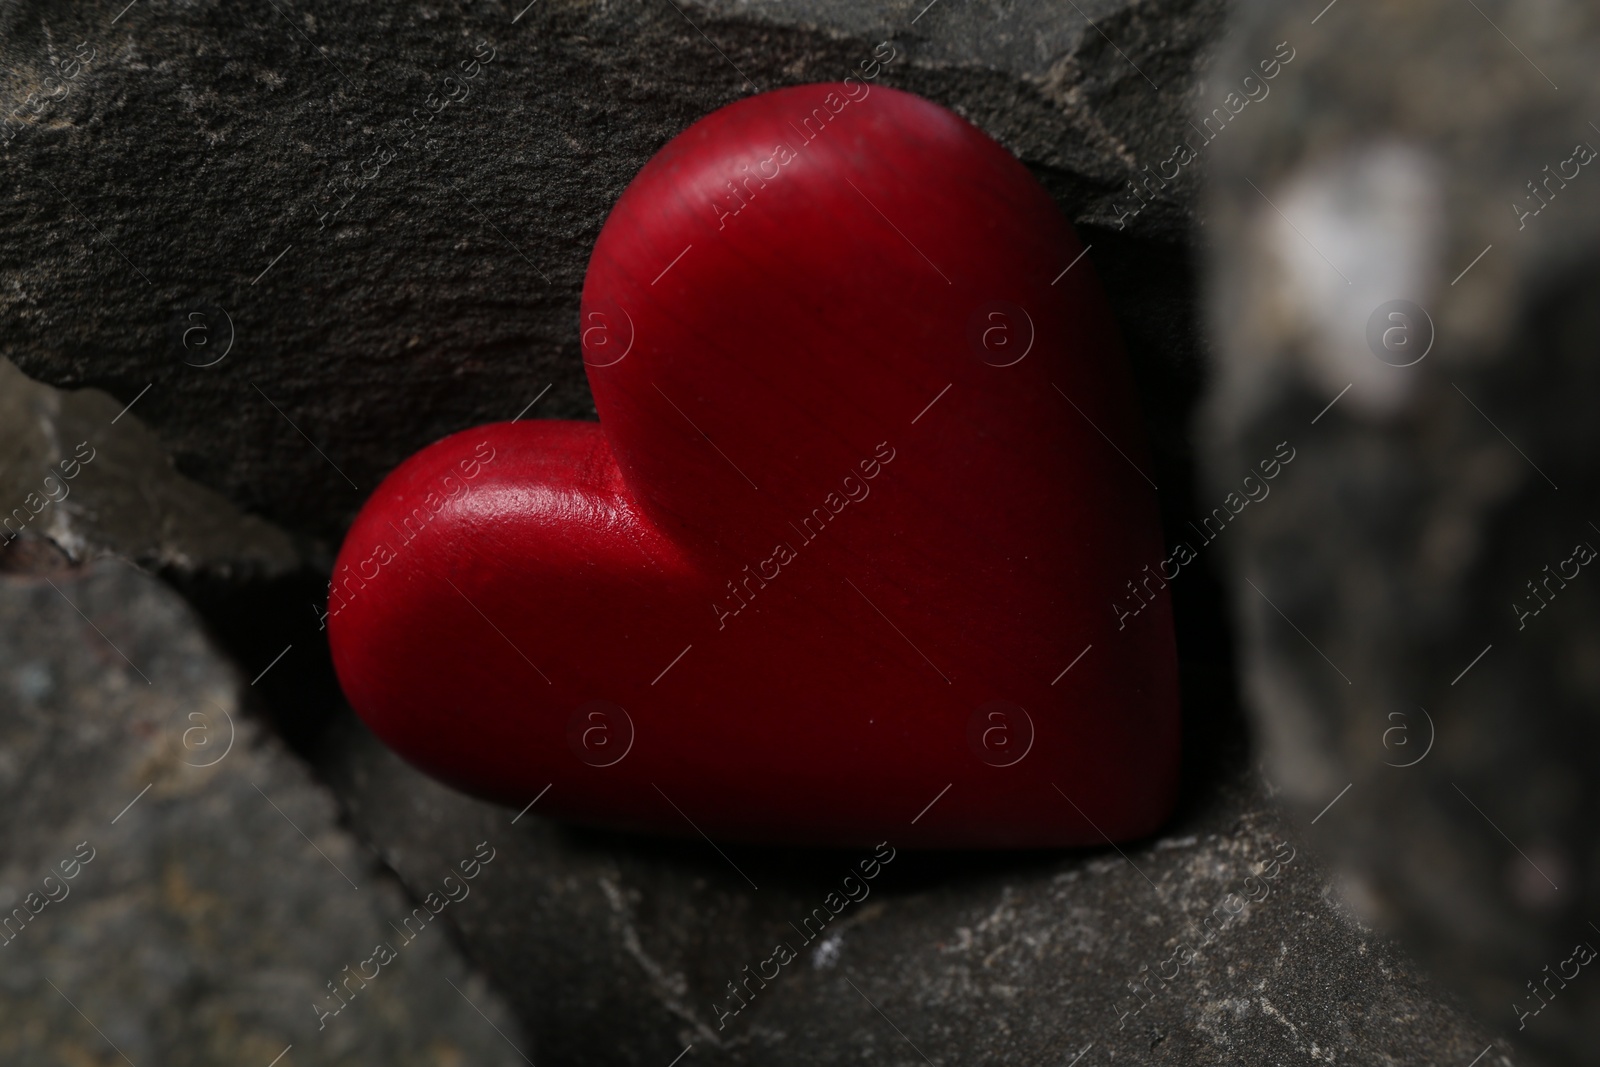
point(807, 126)
point(426, 503)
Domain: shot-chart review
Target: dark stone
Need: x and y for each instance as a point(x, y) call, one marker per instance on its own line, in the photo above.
point(166, 172)
point(1392, 563)
point(86, 478)
point(618, 949)
point(220, 895)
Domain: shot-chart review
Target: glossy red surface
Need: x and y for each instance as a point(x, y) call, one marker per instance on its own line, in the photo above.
point(851, 509)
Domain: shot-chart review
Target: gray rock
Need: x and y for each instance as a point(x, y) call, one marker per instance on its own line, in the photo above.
point(181, 218)
point(619, 950)
point(186, 892)
point(1393, 644)
point(86, 477)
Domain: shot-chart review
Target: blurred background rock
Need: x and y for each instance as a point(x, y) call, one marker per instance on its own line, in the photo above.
point(191, 233)
point(1434, 153)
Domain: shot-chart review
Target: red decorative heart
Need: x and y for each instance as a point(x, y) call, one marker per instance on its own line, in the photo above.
point(838, 564)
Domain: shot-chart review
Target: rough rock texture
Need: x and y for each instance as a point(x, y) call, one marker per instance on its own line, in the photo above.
point(196, 202)
point(972, 959)
point(1421, 631)
point(85, 477)
point(219, 896)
